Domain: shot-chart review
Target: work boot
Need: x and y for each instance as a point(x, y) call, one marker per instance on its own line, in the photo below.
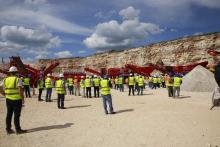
point(9, 131)
point(113, 112)
point(20, 131)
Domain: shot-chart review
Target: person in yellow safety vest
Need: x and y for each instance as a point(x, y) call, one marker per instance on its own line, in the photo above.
point(121, 83)
point(131, 83)
point(169, 85)
point(49, 86)
point(150, 82)
point(159, 81)
point(26, 84)
point(61, 91)
point(177, 81)
point(106, 95)
point(163, 82)
point(40, 86)
point(154, 82)
point(70, 85)
point(136, 82)
point(96, 84)
point(82, 85)
point(88, 86)
point(140, 85)
point(116, 83)
point(11, 89)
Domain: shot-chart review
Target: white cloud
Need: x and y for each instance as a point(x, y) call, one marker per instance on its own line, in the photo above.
point(35, 18)
point(63, 54)
point(198, 33)
point(105, 16)
point(28, 38)
point(129, 13)
point(113, 35)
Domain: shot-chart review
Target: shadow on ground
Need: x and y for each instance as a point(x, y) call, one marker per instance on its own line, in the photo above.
point(78, 106)
point(125, 110)
point(44, 128)
point(183, 97)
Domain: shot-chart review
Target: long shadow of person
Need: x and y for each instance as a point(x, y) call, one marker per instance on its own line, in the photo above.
point(78, 106)
point(125, 110)
point(43, 128)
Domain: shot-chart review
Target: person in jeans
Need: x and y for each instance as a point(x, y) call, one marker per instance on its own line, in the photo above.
point(61, 91)
point(106, 96)
point(48, 85)
point(12, 89)
point(26, 84)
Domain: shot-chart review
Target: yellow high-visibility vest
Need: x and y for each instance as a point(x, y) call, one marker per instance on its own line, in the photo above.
point(82, 83)
point(87, 82)
point(116, 81)
point(40, 84)
point(70, 81)
point(60, 87)
point(48, 83)
point(154, 80)
point(159, 80)
point(131, 81)
point(96, 82)
point(120, 80)
point(140, 82)
point(136, 79)
point(177, 81)
point(105, 90)
point(11, 88)
point(26, 81)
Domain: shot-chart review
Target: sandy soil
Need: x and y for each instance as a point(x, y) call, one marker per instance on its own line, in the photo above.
point(151, 120)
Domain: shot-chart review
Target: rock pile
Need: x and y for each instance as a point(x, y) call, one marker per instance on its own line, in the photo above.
point(199, 80)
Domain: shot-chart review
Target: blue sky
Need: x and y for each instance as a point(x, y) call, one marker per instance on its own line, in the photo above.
point(37, 29)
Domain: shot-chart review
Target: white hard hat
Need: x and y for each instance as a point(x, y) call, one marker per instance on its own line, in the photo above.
point(95, 76)
point(61, 75)
point(130, 74)
point(82, 76)
point(48, 75)
point(13, 69)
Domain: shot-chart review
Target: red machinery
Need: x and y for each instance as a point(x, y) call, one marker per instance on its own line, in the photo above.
point(92, 71)
point(25, 69)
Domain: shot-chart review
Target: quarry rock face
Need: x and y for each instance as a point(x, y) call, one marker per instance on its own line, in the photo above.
point(176, 52)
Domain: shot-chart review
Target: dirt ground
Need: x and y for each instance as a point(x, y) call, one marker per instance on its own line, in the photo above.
point(151, 120)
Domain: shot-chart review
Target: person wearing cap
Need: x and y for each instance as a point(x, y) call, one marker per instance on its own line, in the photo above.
point(96, 81)
point(82, 85)
point(26, 84)
point(106, 95)
point(140, 85)
point(121, 83)
point(177, 81)
point(40, 86)
point(131, 82)
point(70, 85)
point(11, 88)
point(88, 86)
point(61, 91)
point(48, 85)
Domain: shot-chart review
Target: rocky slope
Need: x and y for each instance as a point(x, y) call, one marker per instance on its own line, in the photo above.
point(176, 52)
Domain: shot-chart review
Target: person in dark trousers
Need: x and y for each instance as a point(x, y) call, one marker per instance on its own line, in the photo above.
point(96, 86)
point(26, 84)
point(61, 91)
point(13, 92)
point(40, 85)
point(131, 83)
point(70, 85)
point(121, 83)
point(106, 96)
point(48, 85)
point(88, 87)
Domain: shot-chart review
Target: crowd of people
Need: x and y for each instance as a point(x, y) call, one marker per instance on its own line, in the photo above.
point(14, 88)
